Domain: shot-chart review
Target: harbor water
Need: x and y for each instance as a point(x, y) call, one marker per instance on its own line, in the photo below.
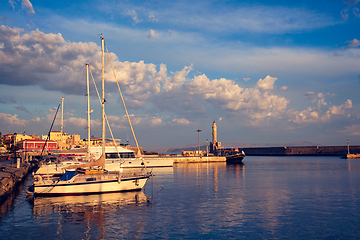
point(264, 198)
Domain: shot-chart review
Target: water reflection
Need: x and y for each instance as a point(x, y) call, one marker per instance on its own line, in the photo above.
point(270, 198)
point(90, 215)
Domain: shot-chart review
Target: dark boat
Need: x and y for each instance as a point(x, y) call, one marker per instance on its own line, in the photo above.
point(236, 158)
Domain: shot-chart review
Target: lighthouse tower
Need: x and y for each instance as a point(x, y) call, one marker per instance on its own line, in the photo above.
point(214, 145)
point(214, 134)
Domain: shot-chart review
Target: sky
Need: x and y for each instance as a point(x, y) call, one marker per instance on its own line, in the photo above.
point(270, 73)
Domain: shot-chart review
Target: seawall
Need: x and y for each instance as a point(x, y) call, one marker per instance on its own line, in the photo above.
point(189, 159)
point(11, 176)
point(302, 151)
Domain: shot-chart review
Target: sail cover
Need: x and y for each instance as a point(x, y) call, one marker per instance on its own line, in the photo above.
point(100, 163)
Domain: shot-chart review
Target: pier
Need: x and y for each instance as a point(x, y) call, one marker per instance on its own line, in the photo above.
point(189, 159)
point(11, 175)
point(350, 156)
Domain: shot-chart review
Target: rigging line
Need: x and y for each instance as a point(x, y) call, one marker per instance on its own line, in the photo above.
point(156, 183)
point(50, 128)
point(122, 98)
point(107, 121)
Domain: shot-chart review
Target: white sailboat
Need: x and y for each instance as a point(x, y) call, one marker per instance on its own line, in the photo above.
point(90, 181)
point(91, 177)
point(115, 158)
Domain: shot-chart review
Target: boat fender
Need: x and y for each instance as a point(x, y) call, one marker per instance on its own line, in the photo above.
point(37, 178)
point(30, 189)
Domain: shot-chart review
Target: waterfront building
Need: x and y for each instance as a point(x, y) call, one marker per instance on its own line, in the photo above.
point(10, 139)
point(66, 141)
point(36, 145)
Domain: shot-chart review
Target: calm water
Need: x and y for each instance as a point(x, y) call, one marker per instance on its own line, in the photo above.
point(266, 198)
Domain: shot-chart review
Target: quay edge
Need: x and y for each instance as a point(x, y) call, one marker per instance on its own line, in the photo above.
point(192, 159)
point(11, 176)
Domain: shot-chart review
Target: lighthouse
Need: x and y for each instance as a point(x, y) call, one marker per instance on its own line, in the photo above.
point(214, 145)
point(214, 134)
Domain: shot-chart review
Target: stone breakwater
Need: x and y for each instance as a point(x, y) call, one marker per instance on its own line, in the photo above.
point(11, 176)
point(302, 151)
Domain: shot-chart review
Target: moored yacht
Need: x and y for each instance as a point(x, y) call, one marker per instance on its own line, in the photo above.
point(91, 177)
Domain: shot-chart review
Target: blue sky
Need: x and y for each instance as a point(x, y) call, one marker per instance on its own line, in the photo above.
point(268, 72)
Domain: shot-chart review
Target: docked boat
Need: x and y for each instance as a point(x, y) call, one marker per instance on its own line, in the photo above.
point(115, 158)
point(91, 177)
point(236, 158)
point(55, 169)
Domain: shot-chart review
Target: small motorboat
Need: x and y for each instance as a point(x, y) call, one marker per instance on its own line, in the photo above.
point(236, 158)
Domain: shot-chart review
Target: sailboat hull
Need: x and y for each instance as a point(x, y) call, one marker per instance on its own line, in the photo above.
point(89, 185)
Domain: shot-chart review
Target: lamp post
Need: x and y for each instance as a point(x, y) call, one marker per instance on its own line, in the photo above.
point(348, 147)
point(14, 142)
point(199, 130)
point(207, 148)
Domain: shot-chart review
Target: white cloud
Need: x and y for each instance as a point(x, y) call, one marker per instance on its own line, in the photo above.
point(247, 79)
point(8, 119)
point(12, 3)
point(354, 43)
point(53, 63)
point(50, 61)
point(340, 110)
point(181, 121)
point(152, 18)
point(344, 14)
point(320, 95)
point(45, 59)
point(225, 95)
point(79, 122)
point(314, 115)
point(266, 83)
point(156, 122)
point(309, 115)
point(133, 14)
point(27, 6)
point(284, 88)
point(153, 34)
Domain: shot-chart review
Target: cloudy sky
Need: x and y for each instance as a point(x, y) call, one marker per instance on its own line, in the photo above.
point(268, 72)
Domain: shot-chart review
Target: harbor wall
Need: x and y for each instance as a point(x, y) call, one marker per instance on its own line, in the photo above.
point(189, 159)
point(11, 176)
point(302, 151)
point(198, 159)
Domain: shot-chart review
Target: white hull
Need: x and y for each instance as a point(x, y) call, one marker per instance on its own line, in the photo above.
point(110, 165)
point(90, 184)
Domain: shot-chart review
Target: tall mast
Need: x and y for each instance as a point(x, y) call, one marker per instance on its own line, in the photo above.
point(88, 111)
point(62, 122)
point(103, 95)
